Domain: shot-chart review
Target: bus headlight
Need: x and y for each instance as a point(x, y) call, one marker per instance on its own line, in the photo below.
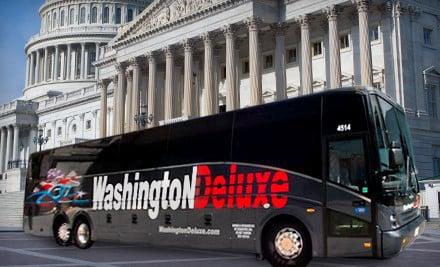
point(393, 221)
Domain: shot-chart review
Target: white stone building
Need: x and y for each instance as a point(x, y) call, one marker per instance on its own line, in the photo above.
point(186, 58)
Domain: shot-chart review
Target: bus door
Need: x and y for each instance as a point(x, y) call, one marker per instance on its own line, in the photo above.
point(348, 220)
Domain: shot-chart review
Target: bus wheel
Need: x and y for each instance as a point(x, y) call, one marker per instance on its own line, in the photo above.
point(287, 244)
point(82, 234)
point(62, 233)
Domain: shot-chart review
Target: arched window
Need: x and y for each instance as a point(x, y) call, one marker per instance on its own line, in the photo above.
point(72, 16)
point(105, 15)
point(54, 20)
point(82, 15)
point(118, 15)
point(62, 17)
point(94, 14)
point(47, 22)
point(129, 15)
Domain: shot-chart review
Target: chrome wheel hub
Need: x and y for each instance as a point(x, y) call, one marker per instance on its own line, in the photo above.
point(288, 243)
point(64, 232)
point(83, 234)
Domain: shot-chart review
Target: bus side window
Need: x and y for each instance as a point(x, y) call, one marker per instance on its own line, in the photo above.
point(347, 164)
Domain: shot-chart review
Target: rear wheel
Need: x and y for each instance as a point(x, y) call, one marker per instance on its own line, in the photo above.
point(62, 233)
point(82, 234)
point(287, 244)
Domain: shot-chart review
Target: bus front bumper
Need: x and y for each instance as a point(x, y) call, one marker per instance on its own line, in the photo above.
point(395, 241)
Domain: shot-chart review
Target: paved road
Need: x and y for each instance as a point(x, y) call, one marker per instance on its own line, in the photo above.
point(19, 249)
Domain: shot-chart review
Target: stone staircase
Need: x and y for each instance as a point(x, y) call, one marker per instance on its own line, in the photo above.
point(11, 210)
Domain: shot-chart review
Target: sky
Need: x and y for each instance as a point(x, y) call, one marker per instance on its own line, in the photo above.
point(19, 20)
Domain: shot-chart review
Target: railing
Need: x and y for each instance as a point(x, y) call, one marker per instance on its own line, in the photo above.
point(18, 105)
point(77, 94)
point(17, 164)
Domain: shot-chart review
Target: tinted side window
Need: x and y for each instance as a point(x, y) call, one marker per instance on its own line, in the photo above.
point(284, 134)
point(144, 149)
point(201, 140)
point(344, 113)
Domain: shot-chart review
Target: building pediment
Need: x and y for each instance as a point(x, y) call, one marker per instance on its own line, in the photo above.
point(161, 14)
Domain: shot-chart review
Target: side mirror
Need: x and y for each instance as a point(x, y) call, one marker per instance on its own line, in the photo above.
point(396, 155)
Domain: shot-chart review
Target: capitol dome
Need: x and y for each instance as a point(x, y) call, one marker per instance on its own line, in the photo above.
point(60, 56)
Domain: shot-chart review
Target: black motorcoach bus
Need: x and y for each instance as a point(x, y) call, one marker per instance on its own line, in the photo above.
point(327, 174)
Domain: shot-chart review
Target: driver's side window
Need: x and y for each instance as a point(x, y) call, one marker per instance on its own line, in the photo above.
point(347, 164)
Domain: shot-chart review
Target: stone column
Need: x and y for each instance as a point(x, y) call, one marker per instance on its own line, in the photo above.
point(15, 142)
point(255, 75)
point(232, 96)
point(2, 149)
point(128, 103)
point(26, 81)
point(46, 63)
point(169, 75)
point(120, 102)
point(33, 132)
point(32, 70)
point(334, 48)
point(210, 97)
point(8, 146)
point(115, 105)
point(135, 102)
point(81, 122)
point(364, 43)
point(96, 58)
point(83, 60)
point(152, 88)
point(37, 67)
point(69, 62)
point(306, 57)
point(279, 31)
point(57, 56)
point(103, 85)
point(189, 95)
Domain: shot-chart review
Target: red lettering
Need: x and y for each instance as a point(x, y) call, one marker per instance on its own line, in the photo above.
point(231, 189)
point(219, 189)
point(203, 181)
point(244, 200)
point(280, 184)
point(262, 180)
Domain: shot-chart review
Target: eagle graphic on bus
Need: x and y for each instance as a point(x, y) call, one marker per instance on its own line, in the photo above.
point(58, 188)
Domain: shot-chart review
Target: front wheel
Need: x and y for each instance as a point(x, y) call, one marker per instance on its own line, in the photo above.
point(287, 244)
point(82, 234)
point(62, 234)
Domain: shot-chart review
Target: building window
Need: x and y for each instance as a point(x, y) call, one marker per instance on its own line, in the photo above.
point(436, 167)
point(432, 101)
point(268, 61)
point(129, 15)
point(49, 133)
point(62, 17)
point(94, 14)
point(427, 36)
point(74, 128)
point(71, 16)
point(222, 108)
point(59, 131)
point(317, 48)
point(92, 58)
point(374, 33)
point(106, 15)
point(118, 15)
point(291, 55)
point(88, 124)
point(245, 67)
point(54, 21)
point(344, 41)
point(82, 15)
point(223, 73)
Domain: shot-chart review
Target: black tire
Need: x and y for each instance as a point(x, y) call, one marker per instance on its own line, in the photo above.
point(62, 233)
point(82, 234)
point(299, 254)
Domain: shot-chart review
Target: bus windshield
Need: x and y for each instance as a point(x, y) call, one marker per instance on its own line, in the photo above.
point(393, 131)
